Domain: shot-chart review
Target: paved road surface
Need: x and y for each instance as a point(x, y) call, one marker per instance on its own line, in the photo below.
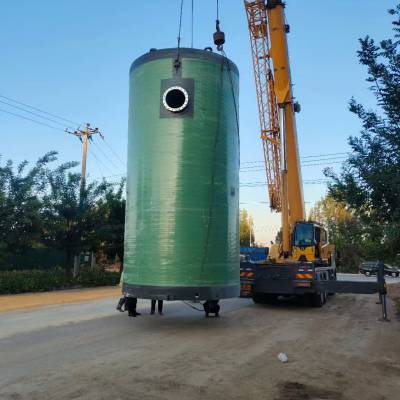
point(361, 277)
point(88, 351)
point(53, 316)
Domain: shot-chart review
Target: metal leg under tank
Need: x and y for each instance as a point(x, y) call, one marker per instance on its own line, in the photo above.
point(212, 307)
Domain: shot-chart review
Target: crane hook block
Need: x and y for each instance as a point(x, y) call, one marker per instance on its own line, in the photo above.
point(219, 37)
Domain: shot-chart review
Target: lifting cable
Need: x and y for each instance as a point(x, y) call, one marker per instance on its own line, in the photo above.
point(219, 36)
point(219, 41)
point(179, 32)
point(192, 23)
point(233, 93)
point(212, 184)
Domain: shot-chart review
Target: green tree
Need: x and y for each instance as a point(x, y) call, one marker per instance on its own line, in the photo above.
point(246, 229)
point(344, 231)
point(20, 204)
point(112, 212)
point(278, 236)
point(71, 217)
point(370, 181)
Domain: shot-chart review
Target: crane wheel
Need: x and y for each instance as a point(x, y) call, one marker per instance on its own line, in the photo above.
point(317, 299)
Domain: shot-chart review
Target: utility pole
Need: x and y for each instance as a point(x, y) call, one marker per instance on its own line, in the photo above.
point(84, 136)
point(84, 156)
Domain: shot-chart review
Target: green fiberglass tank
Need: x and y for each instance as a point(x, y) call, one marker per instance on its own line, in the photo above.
point(182, 225)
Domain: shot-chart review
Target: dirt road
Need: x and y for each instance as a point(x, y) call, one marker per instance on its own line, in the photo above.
point(88, 351)
point(36, 300)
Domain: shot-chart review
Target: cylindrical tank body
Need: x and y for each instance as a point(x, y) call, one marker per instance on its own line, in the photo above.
point(182, 226)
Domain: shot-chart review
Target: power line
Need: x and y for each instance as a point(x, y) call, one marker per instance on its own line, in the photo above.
point(315, 156)
point(46, 118)
point(243, 184)
point(104, 154)
point(342, 158)
point(306, 182)
point(329, 163)
point(324, 155)
point(258, 169)
point(109, 183)
point(33, 113)
point(32, 120)
point(105, 166)
point(40, 110)
point(98, 161)
point(113, 151)
point(305, 163)
point(323, 159)
point(115, 176)
point(79, 133)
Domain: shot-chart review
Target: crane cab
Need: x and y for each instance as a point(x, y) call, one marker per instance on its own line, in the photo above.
point(310, 244)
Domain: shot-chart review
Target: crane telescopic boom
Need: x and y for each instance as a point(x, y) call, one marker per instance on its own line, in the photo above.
point(277, 108)
point(303, 256)
point(266, 98)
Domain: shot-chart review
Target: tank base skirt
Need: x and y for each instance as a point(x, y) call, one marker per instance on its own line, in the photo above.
point(181, 292)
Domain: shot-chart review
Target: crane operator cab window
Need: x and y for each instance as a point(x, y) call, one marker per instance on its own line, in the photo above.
point(304, 235)
point(320, 240)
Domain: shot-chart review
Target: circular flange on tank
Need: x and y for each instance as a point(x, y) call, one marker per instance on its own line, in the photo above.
point(175, 99)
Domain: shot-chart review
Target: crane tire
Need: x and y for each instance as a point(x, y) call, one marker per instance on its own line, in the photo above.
point(317, 299)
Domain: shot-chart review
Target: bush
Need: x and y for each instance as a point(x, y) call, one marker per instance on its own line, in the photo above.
point(12, 282)
point(98, 277)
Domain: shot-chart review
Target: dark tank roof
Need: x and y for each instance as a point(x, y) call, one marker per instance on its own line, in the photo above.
point(198, 54)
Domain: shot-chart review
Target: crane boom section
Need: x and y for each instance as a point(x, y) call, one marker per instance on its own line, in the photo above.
point(283, 90)
point(266, 98)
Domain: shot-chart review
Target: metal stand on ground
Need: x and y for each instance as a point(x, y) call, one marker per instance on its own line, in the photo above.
point(358, 287)
point(382, 290)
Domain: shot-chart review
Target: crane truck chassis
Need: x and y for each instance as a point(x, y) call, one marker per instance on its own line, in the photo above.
point(277, 279)
point(264, 282)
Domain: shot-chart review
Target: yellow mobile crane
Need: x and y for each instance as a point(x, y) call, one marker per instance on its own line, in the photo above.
point(304, 255)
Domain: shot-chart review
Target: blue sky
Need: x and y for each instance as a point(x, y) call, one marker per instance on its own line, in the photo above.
point(72, 58)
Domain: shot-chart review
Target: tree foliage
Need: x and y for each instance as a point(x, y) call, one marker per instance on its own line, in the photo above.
point(370, 180)
point(20, 203)
point(246, 228)
point(112, 210)
point(344, 231)
point(72, 218)
point(45, 207)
